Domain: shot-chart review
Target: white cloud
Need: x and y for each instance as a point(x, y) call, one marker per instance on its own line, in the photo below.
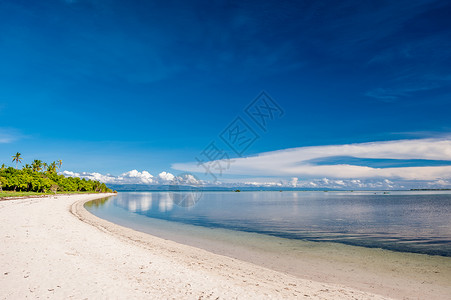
point(295, 161)
point(295, 168)
point(323, 183)
point(349, 184)
point(134, 176)
point(188, 179)
point(165, 176)
point(262, 183)
point(130, 177)
point(440, 183)
point(137, 177)
point(93, 176)
point(144, 177)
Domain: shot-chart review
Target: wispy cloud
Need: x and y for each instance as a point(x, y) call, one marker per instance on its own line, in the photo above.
point(386, 95)
point(297, 161)
point(9, 135)
point(415, 85)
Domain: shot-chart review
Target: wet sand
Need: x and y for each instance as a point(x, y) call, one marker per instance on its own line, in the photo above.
point(53, 248)
point(393, 274)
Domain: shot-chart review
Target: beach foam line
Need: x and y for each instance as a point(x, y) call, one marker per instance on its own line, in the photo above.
point(47, 252)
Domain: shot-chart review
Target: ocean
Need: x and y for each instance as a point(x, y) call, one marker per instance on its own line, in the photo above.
point(403, 221)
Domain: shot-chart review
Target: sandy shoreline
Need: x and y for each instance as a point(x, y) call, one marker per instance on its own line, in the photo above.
point(48, 252)
point(399, 275)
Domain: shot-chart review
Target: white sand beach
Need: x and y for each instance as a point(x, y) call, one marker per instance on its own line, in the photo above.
point(53, 248)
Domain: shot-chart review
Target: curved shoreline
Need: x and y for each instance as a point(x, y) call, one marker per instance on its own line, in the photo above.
point(388, 273)
point(47, 252)
point(283, 285)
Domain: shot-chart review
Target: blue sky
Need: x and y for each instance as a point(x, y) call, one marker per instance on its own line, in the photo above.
point(115, 86)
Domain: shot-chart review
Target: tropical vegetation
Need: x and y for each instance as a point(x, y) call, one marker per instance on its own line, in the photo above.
point(40, 177)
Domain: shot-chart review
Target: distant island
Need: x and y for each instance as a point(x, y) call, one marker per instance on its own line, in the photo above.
point(40, 177)
point(430, 189)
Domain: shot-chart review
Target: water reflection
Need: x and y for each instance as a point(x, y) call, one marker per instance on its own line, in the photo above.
point(143, 202)
point(165, 202)
point(399, 221)
point(146, 202)
point(97, 202)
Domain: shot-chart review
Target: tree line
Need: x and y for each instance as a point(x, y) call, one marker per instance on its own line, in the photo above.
point(43, 177)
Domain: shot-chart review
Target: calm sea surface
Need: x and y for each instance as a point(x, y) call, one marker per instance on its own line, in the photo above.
point(417, 222)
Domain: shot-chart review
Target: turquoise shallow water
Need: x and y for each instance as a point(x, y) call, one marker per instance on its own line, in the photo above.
point(418, 222)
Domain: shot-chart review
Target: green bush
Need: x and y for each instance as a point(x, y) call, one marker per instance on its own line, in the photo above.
point(34, 179)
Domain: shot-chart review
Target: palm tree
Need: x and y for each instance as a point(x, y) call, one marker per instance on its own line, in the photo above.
point(60, 163)
point(17, 158)
point(51, 167)
point(37, 165)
